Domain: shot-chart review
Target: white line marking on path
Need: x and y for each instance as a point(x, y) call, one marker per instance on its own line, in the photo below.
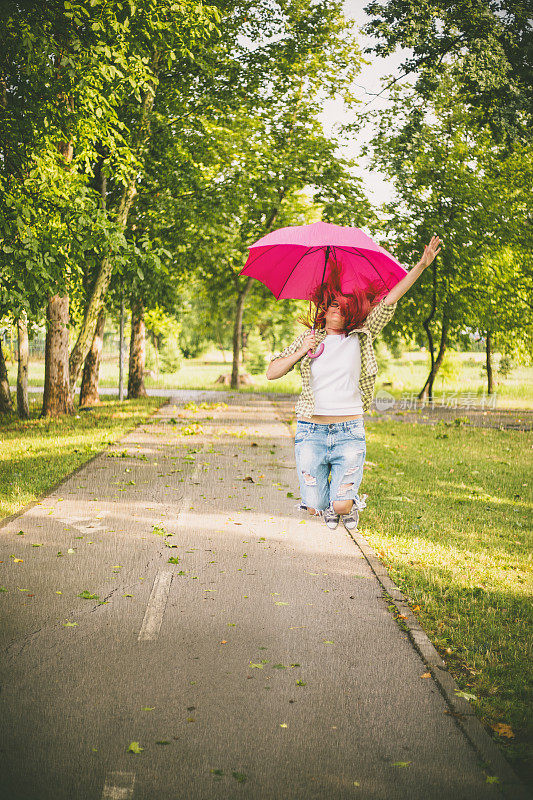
point(153, 617)
point(155, 610)
point(90, 525)
point(119, 786)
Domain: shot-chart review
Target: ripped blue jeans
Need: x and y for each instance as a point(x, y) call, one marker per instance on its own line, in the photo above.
point(329, 460)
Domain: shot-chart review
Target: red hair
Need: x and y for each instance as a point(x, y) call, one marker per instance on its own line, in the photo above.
point(355, 306)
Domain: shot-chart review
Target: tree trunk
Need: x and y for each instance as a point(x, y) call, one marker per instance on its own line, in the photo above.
point(427, 322)
point(427, 389)
point(6, 406)
point(237, 333)
point(89, 383)
point(136, 386)
point(237, 327)
point(101, 284)
point(155, 340)
point(56, 398)
point(490, 376)
point(23, 406)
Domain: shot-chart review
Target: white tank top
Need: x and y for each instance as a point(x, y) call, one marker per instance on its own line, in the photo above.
point(335, 377)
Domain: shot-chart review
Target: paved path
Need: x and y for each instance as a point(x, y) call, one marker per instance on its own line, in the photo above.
point(264, 664)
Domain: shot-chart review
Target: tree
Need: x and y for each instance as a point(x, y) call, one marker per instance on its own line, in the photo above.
point(219, 176)
point(485, 47)
point(160, 33)
point(78, 86)
point(89, 395)
point(455, 179)
point(23, 352)
point(6, 404)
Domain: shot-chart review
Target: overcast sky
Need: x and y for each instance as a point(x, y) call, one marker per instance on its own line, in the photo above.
point(368, 81)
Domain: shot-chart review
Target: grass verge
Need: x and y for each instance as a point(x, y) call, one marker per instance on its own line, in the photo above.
point(37, 454)
point(402, 377)
point(449, 514)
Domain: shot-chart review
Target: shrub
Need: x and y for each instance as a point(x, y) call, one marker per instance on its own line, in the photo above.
point(506, 365)
point(256, 355)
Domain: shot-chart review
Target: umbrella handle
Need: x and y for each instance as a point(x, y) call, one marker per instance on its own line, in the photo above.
point(319, 351)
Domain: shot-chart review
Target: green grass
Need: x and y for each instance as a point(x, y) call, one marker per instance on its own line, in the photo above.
point(449, 513)
point(38, 453)
point(406, 375)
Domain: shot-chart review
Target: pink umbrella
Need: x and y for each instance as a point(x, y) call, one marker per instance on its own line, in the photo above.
point(293, 261)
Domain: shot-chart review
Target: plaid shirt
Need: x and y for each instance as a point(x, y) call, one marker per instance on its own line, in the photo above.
point(376, 320)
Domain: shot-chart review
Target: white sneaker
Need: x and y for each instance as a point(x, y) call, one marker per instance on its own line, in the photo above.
point(331, 518)
point(351, 520)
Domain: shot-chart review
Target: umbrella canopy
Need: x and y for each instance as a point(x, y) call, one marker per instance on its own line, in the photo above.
point(293, 261)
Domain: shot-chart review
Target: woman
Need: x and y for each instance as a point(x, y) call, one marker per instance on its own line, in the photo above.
point(337, 388)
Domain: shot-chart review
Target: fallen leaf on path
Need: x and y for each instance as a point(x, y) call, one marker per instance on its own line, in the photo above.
point(86, 595)
point(426, 675)
point(135, 747)
point(401, 763)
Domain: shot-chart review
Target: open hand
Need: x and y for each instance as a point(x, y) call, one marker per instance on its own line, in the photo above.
point(430, 251)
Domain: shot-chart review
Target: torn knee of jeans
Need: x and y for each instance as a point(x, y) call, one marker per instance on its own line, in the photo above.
point(344, 488)
point(309, 480)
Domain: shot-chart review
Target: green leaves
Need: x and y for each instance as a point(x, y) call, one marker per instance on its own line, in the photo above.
point(86, 595)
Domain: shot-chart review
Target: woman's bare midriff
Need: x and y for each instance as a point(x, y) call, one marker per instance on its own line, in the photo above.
point(323, 420)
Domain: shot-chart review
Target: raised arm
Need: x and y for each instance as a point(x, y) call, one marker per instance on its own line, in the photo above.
point(430, 251)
